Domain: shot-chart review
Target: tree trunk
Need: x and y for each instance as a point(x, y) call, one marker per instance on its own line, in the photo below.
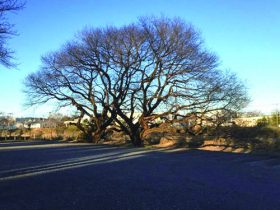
point(88, 136)
point(97, 135)
point(135, 137)
point(144, 125)
point(93, 136)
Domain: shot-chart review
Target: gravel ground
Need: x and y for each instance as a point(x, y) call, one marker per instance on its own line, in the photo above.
point(61, 176)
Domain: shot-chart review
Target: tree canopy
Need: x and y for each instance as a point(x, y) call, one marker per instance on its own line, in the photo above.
point(135, 74)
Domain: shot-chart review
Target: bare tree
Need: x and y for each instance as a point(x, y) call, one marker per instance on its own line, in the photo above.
point(65, 79)
point(6, 121)
point(154, 68)
point(169, 72)
point(6, 30)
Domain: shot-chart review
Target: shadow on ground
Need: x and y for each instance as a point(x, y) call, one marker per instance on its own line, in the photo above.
point(82, 176)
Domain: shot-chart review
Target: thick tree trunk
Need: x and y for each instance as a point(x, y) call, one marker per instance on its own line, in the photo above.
point(144, 125)
point(93, 136)
point(88, 136)
point(135, 136)
point(97, 135)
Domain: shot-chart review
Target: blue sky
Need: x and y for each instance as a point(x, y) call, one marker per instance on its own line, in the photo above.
point(244, 34)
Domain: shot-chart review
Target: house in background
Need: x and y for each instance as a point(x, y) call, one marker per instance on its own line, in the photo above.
point(32, 123)
point(70, 122)
point(247, 121)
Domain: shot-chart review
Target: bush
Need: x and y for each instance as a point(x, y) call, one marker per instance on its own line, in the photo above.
point(237, 132)
point(253, 138)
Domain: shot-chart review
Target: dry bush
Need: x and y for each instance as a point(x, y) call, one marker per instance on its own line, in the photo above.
point(71, 133)
point(117, 137)
point(252, 138)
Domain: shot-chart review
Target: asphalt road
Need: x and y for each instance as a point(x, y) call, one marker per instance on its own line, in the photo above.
point(81, 176)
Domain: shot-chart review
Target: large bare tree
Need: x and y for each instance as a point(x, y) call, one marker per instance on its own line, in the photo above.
point(6, 30)
point(154, 68)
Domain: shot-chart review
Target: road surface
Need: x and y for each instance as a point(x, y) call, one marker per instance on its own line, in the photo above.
point(82, 176)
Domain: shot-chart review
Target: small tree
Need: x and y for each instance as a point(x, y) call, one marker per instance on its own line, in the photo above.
point(264, 121)
point(275, 119)
point(6, 120)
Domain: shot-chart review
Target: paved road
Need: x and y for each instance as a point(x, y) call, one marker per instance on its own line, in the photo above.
point(80, 176)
